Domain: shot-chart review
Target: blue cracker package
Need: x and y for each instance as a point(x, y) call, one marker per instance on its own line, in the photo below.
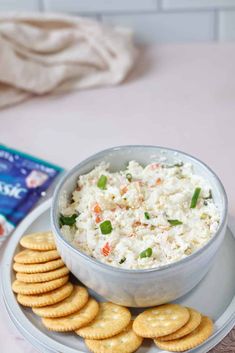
point(23, 180)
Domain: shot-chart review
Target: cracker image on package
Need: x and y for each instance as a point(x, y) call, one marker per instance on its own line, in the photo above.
point(23, 181)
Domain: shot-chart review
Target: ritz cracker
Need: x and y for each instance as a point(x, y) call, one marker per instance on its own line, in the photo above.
point(23, 180)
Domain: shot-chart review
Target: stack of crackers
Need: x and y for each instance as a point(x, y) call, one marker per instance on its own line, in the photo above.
point(173, 327)
point(42, 282)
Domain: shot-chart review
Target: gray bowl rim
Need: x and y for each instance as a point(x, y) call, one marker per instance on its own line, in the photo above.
point(55, 227)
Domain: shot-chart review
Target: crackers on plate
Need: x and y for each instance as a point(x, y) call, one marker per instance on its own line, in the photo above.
point(193, 322)
point(42, 277)
point(38, 288)
point(124, 342)
point(72, 303)
point(42, 283)
point(38, 241)
point(191, 340)
point(46, 299)
point(73, 321)
point(28, 256)
point(111, 320)
point(38, 268)
point(161, 320)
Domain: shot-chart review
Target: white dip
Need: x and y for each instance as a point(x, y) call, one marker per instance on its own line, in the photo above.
point(153, 215)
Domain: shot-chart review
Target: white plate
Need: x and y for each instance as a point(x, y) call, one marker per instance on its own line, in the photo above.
point(214, 296)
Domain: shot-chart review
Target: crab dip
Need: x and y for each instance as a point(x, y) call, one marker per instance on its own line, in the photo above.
point(141, 217)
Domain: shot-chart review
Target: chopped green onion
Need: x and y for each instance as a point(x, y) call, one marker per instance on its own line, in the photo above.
point(175, 165)
point(67, 220)
point(146, 253)
point(195, 197)
point(102, 182)
point(152, 227)
point(122, 260)
point(106, 227)
point(146, 215)
point(174, 222)
point(129, 177)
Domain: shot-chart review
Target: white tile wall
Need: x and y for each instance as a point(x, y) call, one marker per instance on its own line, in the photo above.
point(101, 6)
point(197, 4)
point(152, 20)
point(227, 25)
point(176, 27)
point(19, 5)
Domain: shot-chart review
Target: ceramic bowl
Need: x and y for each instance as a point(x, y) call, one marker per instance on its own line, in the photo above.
point(148, 287)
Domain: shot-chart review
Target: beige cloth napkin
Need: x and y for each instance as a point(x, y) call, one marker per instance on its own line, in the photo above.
point(42, 53)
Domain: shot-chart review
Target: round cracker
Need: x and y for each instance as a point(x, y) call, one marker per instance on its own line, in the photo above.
point(125, 342)
point(42, 277)
point(110, 321)
point(74, 321)
point(77, 299)
point(38, 268)
point(191, 325)
point(193, 339)
point(28, 256)
point(161, 320)
point(38, 288)
point(50, 298)
point(39, 241)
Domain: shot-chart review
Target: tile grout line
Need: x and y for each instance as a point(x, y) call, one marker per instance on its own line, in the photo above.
point(216, 26)
point(159, 6)
point(206, 8)
point(145, 12)
point(41, 6)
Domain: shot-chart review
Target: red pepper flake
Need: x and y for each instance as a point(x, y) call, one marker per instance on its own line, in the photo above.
point(97, 208)
point(123, 190)
point(106, 249)
point(98, 219)
point(158, 181)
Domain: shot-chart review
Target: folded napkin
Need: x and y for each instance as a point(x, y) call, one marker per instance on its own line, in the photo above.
point(45, 53)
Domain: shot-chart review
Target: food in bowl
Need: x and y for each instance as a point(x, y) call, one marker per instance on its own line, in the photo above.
point(140, 217)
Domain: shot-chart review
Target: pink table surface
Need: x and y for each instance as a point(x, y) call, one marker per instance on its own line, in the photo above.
point(180, 96)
